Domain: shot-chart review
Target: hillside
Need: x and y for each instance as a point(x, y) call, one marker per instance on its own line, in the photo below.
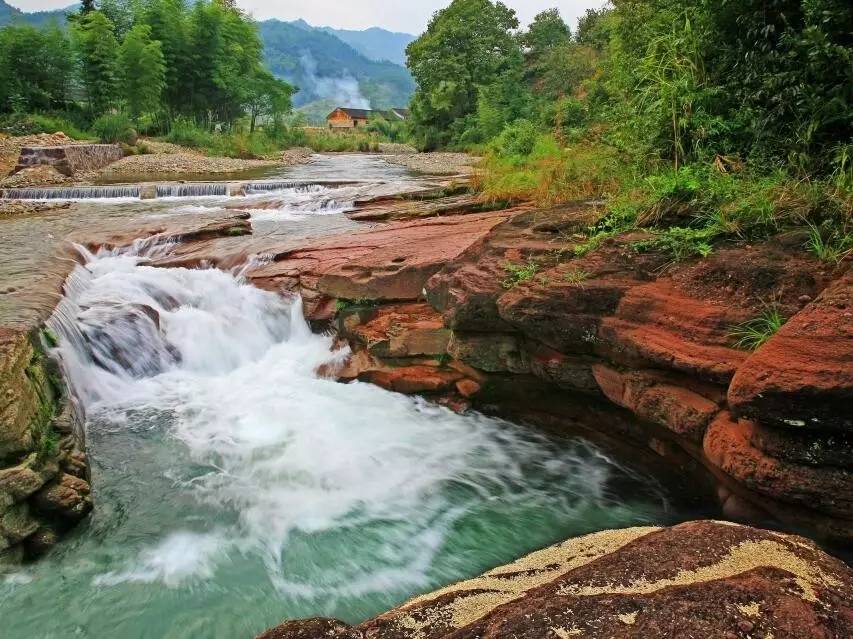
point(9, 14)
point(325, 67)
point(375, 43)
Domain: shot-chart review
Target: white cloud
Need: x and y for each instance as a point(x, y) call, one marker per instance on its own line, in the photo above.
point(409, 15)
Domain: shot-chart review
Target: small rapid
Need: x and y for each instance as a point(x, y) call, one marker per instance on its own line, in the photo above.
point(235, 486)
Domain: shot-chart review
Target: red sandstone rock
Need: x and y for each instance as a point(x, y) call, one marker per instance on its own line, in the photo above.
point(391, 262)
point(468, 387)
point(728, 446)
point(658, 398)
point(67, 498)
point(414, 379)
point(700, 579)
point(803, 377)
point(397, 330)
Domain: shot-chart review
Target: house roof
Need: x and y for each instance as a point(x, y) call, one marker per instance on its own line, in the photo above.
point(365, 114)
point(356, 114)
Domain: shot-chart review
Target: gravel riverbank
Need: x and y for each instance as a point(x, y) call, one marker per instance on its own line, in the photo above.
point(436, 163)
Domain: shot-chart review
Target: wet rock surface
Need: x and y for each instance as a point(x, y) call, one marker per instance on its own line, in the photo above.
point(699, 579)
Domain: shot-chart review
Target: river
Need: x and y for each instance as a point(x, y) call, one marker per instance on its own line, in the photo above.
point(234, 487)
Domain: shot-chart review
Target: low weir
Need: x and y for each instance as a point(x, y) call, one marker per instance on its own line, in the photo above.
point(152, 191)
point(72, 193)
point(192, 190)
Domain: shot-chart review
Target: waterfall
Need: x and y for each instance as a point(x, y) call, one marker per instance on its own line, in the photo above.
point(230, 369)
point(72, 193)
point(192, 190)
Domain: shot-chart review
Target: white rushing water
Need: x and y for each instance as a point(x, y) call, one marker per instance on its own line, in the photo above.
point(235, 487)
point(286, 450)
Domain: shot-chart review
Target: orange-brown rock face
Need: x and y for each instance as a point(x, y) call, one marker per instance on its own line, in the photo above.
point(652, 337)
point(699, 579)
point(390, 262)
point(803, 377)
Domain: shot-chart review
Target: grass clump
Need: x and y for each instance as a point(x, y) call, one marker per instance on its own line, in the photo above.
point(518, 273)
point(576, 277)
point(753, 334)
point(831, 245)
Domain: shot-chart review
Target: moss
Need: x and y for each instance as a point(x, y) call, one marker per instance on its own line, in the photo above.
point(47, 391)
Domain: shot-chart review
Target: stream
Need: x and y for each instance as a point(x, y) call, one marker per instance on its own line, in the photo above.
point(235, 488)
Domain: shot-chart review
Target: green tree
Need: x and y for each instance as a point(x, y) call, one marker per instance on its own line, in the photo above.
point(466, 46)
point(35, 68)
point(546, 32)
point(168, 21)
point(143, 71)
point(97, 49)
point(267, 96)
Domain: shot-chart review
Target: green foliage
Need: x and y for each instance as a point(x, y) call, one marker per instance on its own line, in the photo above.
point(681, 243)
point(187, 133)
point(518, 273)
point(466, 46)
point(113, 128)
point(160, 60)
point(97, 48)
point(342, 304)
point(517, 141)
point(35, 67)
point(830, 243)
point(142, 70)
point(751, 335)
point(30, 124)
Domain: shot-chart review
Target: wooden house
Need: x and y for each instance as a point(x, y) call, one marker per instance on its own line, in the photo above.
point(346, 118)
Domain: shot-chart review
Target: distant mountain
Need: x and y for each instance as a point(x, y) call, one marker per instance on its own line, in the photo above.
point(326, 68)
point(9, 15)
point(375, 43)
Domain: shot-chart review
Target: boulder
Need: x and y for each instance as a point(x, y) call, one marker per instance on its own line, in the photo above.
point(803, 377)
point(699, 579)
point(68, 498)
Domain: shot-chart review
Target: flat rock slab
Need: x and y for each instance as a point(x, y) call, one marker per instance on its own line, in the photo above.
point(699, 579)
point(388, 262)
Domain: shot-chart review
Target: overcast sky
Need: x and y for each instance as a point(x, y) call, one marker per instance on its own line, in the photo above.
point(404, 15)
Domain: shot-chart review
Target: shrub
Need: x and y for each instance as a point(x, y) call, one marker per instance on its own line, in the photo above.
point(187, 133)
point(114, 128)
point(517, 140)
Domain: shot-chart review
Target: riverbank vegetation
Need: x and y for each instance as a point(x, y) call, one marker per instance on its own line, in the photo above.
point(698, 121)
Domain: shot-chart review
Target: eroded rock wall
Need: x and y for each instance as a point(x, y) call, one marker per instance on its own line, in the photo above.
point(437, 306)
point(44, 487)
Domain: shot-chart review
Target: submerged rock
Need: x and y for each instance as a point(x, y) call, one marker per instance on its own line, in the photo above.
point(699, 579)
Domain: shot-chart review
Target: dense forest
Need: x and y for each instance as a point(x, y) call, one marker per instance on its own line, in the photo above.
point(157, 61)
point(705, 119)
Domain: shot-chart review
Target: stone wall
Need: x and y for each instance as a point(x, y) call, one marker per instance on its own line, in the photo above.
point(70, 160)
point(44, 487)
